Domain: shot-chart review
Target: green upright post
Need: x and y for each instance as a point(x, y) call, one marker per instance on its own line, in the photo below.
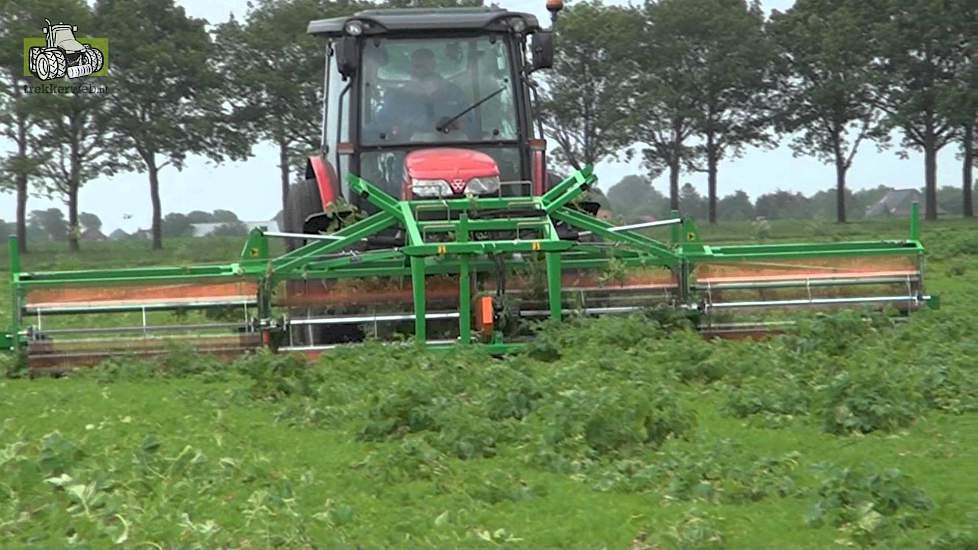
point(554, 284)
point(915, 222)
point(13, 249)
point(417, 285)
point(464, 284)
point(464, 300)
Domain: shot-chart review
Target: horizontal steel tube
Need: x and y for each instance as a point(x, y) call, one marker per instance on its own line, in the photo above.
point(644, 225)
point(148, 328)
point(788, 283)
point(306, 236)
point(117, 308)
point(341, 320)
point(814, 301)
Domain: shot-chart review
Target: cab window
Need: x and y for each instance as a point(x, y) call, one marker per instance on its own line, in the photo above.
point(431, 91)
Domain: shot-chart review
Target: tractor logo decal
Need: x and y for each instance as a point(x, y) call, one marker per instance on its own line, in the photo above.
point(59, 54)
point(457, 185)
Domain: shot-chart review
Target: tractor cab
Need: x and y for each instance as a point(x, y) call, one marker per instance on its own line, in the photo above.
point(431, 103)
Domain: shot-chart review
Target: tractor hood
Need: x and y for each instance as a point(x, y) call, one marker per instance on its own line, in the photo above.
point(63, 37)
point(452, 171)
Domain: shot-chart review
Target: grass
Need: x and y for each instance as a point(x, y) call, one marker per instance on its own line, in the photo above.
point(616, 433)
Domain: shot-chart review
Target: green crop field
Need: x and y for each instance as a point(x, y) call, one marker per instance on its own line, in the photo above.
point(617, 433)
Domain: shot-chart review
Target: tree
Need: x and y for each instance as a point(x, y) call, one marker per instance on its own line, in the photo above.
point(734, 80)
point(90, 221)
point(582, 105)
point(824, 204)
point(231, 229)
point(224, 216)
point(783, 205)
point(166, 99)
point(969, 143)
point(634, 197)
point(51, 222)
point(177, 225)
point(736, 207)
point(825, 88)
point(664, 90)
point(119, 235)
point(919, 57)
point(21, 166)
point(277, 70)
point(691, 203)
point(77, 147)
point(199, 216)
point(963, 109)
point(949, 200)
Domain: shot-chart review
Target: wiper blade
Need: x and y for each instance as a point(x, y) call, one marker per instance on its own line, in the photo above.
point(443, 126)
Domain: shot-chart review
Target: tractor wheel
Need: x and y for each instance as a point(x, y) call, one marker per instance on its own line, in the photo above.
point(302, 201)
point(57, 63)
point(94, 57)
point(32, 55)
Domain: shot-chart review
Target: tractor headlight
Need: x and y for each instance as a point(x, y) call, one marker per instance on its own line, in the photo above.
point(353, 28)
point(483, 186)
point(431, 188)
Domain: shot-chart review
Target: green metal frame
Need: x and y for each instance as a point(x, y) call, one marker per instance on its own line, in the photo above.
point(455, 251)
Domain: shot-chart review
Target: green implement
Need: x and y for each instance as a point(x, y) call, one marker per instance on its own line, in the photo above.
point(468, 271)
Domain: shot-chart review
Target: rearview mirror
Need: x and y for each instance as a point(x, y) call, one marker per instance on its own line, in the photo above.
point(347, 55)
point(542, 48)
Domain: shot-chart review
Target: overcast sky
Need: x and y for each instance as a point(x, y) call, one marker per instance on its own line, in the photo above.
point(251, 188)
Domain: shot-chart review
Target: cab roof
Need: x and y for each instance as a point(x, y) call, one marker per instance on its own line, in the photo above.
point(425, 19)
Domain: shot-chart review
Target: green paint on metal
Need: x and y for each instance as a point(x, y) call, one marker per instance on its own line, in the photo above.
point(417, 286)
point(461, 237)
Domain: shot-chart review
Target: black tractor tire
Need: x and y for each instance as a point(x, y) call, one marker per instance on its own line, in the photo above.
point(302, 201)
point(50, 64)
point(58, 62)
point(94, 57)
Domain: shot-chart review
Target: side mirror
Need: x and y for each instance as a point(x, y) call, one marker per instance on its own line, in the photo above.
point(44, 30)
point(542, 48)
point(347, 55)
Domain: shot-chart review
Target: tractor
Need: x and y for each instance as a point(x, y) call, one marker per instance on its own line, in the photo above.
point(426, 104)
point(63, 54)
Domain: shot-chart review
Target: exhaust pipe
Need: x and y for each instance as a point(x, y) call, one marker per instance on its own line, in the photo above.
point(80, 70)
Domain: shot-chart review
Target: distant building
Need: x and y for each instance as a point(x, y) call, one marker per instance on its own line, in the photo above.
point(205, 229)
point(143, 234)
point(897, 203)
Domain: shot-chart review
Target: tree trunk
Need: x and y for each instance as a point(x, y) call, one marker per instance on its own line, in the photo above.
point(674, 182)
point(283, 166)
point(21, 182)
point(712, 160)
point(22, 212)
point(840, 189)
point(930, 180)
point(154, 194)
point(73, 216)
point(966, 172)
point(74, 182)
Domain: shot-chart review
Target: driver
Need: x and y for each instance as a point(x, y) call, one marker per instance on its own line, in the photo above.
point(427, 101)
